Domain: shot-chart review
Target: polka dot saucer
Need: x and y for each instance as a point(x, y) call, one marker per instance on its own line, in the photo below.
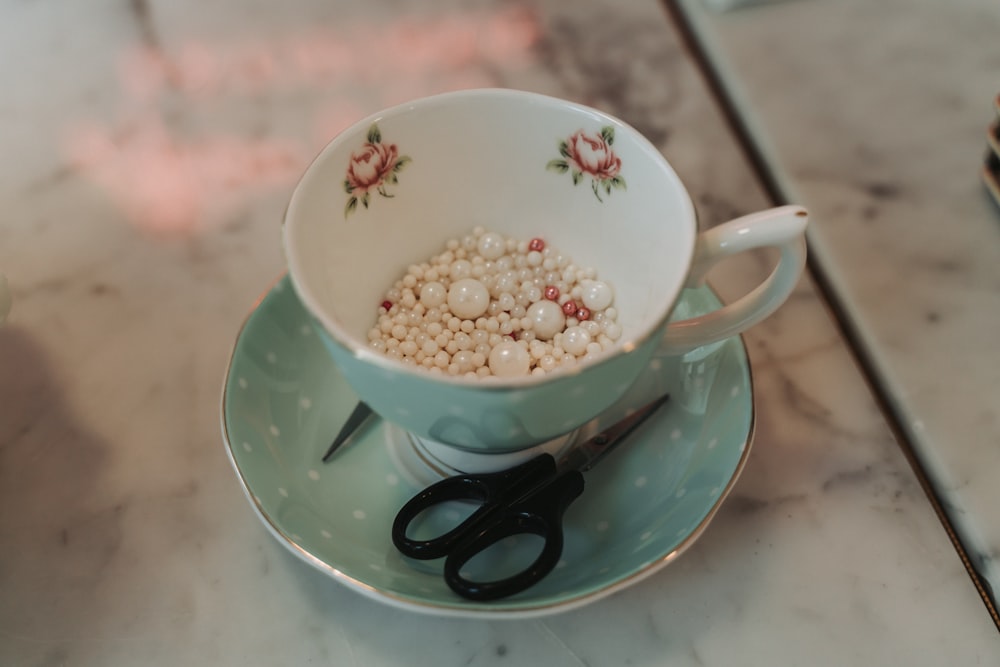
point(284, 400)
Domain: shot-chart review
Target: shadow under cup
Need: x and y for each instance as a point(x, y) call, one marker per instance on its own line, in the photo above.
point(391, 190)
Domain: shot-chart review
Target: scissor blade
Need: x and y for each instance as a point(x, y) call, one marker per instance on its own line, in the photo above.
point(587, 454)
point(358, 417)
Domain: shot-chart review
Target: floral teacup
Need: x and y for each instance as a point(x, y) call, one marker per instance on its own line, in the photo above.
point(390, 191)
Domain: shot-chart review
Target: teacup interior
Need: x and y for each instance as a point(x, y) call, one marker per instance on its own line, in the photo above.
point(487, 158)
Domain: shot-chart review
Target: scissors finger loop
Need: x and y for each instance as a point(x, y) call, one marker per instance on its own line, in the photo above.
point(490, 489)
point(541, 514)
point(453, 488)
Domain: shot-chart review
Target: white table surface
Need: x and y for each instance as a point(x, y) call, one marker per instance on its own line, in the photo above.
point(875, 115)
point(149, 150)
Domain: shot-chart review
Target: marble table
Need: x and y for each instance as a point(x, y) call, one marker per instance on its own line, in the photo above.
point(150, 148)
point(875, 115)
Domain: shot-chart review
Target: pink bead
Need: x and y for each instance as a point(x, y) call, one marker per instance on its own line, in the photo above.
point(569, 307)
point(552, 293)
point(583, 313)
point(536, 244)
point(387, 304)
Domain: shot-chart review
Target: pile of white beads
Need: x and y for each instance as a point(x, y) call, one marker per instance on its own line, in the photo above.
point(495, 306)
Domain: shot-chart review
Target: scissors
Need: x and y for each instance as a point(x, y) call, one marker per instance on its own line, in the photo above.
point(358, 417)
point(529, 498)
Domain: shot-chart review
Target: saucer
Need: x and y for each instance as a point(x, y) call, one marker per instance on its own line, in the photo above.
point(284, 399)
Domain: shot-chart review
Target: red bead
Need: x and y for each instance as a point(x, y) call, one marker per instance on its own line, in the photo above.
point(583, 313)
point(552, 293)
point(569, 308)
point(387, 304)
point(536, 244)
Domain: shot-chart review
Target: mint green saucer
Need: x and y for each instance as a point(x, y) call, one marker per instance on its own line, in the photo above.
point(284, 400)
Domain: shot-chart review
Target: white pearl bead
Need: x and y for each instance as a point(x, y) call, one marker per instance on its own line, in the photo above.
point(460, 268)
point(508, 359)
point(506, 282)
point(506, 301)
point(596, 294)
point(433, 294)
point(547, 319)
point(575, 340)
point(464, 361)
point(468, 298)
point(491, 245)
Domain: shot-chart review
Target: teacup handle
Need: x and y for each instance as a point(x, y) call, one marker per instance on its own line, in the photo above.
point(783, 228)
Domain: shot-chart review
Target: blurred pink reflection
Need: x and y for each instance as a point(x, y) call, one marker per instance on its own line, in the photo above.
point(168, 186)
point(173, 184)
point(354, 54)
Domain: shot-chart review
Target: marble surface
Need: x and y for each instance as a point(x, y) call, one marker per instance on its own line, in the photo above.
point(150, 148)
point(875, 115)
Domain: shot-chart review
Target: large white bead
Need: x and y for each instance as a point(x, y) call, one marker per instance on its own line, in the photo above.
point(468, 298)
point(547, 318)
point(597, 295)
point(575, 340)
point(508, 359)
point(433, 294)
point(491, 245)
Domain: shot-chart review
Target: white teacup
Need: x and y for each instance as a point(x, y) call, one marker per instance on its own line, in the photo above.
point(391, 190)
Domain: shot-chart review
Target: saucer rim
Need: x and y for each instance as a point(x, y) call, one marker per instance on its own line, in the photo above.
point(463, 609)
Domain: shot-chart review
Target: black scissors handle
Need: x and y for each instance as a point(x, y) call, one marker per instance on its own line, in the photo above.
point(527, 499)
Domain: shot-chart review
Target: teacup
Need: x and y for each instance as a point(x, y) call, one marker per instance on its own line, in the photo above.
point(391, 190)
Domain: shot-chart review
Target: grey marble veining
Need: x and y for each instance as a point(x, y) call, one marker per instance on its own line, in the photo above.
point(150, 148)
point(875, 115)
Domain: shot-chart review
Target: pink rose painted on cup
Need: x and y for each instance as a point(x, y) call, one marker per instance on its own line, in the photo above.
point(374, 167)
point(591, 154)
